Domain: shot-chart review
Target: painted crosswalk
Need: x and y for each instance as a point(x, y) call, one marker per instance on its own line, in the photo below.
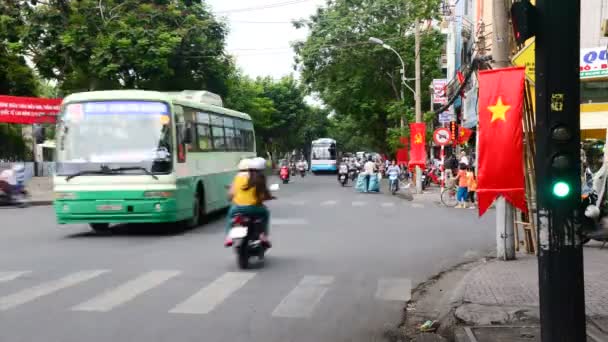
point(300, 299)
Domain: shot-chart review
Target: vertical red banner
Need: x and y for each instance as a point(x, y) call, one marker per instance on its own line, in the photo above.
point(402, 153)
point(417, 145)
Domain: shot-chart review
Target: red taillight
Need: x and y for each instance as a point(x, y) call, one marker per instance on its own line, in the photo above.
point(237, 220)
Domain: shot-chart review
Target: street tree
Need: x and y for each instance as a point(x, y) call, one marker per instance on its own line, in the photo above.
point(113, 44)
point(361, 81)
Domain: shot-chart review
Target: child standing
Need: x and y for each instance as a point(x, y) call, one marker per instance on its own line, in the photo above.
point(461, 194)
point(471, 186)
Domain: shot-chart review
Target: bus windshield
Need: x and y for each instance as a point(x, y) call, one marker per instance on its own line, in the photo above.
point(114, 134)
point(324, 152)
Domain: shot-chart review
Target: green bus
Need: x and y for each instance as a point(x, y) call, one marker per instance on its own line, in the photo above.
point(133, 156)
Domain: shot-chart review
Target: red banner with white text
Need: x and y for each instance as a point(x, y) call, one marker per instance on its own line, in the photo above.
point(28, 110)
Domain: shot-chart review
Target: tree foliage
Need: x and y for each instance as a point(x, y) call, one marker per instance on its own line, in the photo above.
point(113, 44)
point(361, 81)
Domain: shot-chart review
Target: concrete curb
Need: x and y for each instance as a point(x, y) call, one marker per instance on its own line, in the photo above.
point(38, 203)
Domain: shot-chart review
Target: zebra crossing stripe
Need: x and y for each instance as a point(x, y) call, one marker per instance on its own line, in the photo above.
point(388, 204)
point(302, 300)
point(358, 203)
point(417, 205)
point(126, 292)
point(394, 289)
point(213, 294)
point(328, 203)
point(8, 276)
point(32, 293)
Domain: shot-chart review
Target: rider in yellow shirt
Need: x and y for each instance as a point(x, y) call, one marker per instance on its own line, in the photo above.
point(248, 193)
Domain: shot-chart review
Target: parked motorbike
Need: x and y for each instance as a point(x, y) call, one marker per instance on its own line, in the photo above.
point(595, 227)
point(284, 174)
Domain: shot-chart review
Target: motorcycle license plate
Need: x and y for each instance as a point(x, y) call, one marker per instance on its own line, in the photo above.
point(342, 177)
point(238, 232)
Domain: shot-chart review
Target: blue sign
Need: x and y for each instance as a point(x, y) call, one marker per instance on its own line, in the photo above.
point(125, 107)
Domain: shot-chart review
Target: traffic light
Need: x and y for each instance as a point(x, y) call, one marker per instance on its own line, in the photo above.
point(558, 160)
point(523, 17)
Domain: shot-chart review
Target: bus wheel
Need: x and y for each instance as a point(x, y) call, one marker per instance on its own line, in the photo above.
point(100, 227)
point(196, 211)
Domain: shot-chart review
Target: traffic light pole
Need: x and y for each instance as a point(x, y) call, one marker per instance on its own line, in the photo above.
point(560, 253)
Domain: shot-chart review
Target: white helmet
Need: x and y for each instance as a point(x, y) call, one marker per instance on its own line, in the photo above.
point(244, 164)
point(257, 163)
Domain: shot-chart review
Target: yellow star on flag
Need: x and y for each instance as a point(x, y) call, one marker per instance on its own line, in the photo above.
point(418, 139)
point(499, 110)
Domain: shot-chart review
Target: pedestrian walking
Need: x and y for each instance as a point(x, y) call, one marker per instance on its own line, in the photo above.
point(471, 186)
point(461, 194)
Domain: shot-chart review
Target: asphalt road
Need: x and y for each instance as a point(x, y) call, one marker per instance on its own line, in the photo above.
point(341, 269)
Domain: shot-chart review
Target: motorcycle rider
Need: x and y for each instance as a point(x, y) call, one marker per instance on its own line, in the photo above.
point(302, 165)
point(8, 183)
point(248, 193)
point(394, 170)
point(343, 169)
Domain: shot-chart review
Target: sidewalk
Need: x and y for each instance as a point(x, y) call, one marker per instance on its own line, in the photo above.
point(41, 190)
point(497, 301)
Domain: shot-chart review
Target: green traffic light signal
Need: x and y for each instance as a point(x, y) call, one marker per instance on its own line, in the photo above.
point(561, 189)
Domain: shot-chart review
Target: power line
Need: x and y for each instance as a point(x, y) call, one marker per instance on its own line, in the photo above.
point(262, 7)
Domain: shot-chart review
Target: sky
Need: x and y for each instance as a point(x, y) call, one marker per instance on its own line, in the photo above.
point(261, 32)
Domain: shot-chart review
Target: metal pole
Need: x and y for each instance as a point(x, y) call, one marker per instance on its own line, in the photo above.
point(417, 93)
point(500, 55)
point(560, 252)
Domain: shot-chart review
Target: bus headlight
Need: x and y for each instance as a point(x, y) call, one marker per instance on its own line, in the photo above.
point(159, 194)
point(65, 195)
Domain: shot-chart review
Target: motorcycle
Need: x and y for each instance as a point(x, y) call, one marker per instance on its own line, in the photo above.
point(343, 179)
point(19, 198)
point(302, 172)
point(596, 228)
point(293, 169)
point(393, 183)
point(245, 234)
point(353, 174)
point(284, 174)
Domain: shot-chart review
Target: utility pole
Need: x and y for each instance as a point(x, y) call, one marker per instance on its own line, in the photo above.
point(417, 95)
point(505, 238)
point(557, 166)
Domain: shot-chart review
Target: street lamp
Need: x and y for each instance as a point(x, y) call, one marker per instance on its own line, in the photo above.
point(380, 42)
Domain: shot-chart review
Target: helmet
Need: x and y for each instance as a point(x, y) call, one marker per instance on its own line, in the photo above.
point(244, 164)
point(257, 163)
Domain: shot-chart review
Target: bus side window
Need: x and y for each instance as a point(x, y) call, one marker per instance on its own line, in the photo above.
point(181, 134)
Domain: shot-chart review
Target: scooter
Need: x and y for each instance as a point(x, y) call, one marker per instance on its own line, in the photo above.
point(595, 227)
point(302, 171)
point(353, 174)
point(284, 174)
point(343, 179)
point(19, 198)
point(393, 183)
point(246, 234)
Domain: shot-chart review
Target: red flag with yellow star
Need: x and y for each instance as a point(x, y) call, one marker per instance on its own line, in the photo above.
point(500, 160)
point(417, 144)
point(464, 134)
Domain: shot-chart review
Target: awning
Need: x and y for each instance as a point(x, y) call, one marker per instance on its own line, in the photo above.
point(28, 110)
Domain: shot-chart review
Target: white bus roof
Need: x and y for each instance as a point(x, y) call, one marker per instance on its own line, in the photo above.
point(173, 97)
point(324, 141)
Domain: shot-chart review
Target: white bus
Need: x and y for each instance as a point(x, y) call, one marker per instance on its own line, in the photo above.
point(323, 156)
point(132, 156)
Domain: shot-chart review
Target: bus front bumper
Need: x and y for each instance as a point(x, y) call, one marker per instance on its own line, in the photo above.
point(117, 211)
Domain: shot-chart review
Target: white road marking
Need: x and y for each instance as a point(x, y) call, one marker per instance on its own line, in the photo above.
point(328, 203)
point(126, 292)
point(388, 204)
point(286, 222)
point(417, 205)
point(8, 276)
point(358, 203)
point(32, 293)
point(302, 300)
point(207, 299)
point(394, 289)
